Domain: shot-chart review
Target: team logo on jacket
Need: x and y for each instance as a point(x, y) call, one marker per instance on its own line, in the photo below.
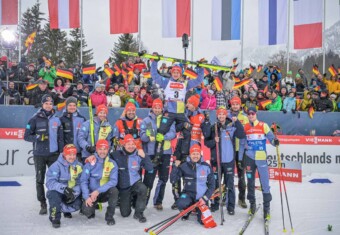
point(176, 85)
point(202, 172)
point(134, 164)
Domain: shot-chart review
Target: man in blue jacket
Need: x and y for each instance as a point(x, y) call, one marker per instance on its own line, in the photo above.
point(198, 177)
point(98, 183)
point(130, 161)
point(149, 136)
point(44, 130)
point(63, 184)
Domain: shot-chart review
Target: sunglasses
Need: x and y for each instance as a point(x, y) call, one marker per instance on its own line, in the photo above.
point(251, 114)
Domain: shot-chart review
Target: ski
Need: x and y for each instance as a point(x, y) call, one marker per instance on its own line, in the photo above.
point(266, 226)
point(250, 218)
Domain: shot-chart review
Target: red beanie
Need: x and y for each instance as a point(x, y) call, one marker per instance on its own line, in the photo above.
point(102, 143)
point(102, 107)
point(194, 100)
point(69, 149)
point(236, 100)
point(128, 138)
point(176, 68)
point(157, 103)
point(130, 105)
point(195, 149)
point(221, 109)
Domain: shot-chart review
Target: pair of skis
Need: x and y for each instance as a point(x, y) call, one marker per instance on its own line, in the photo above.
point(250, 218)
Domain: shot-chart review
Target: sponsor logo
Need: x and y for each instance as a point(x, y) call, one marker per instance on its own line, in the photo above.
point(176, 85)
point(317, 140)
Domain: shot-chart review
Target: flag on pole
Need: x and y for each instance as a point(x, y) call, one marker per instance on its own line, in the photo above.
point(264, 103)
point(176, 17)
point(64, 14)
point(109, 72)
point(218, 84)
point(259, 68)
point(265, 90)
point(311, 112)
point(206, 72)
point(251, 69)
point(8, 12)
point(308, 26)
point(190, 73)
point(234, 61)
point(332, 70)
point(123, 16)
point(147, 74)
point(29, 42)
point(226, 19)
point(65, 73)
point(108, 61)
point(31, 86)
point(241, 83)
point(316, 69)
point(62, 105)
point(233, 69)
point(117, 70)
point(89, 69)
point(273, 22)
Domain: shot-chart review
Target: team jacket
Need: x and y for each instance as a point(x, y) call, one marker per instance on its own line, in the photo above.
point(84, 137)
point(123, 126)
point(196, 119)
point(62, 174)
point(71, 126)
point(257, 133)
point(46, 134)
point(129, 166)
point(226, 144)
point(154, 122)
point(174, 90)
point(101, 176)
point(242, 117)
point(198, 178)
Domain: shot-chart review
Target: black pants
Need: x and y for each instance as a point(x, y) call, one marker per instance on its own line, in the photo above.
point(40, 163)
point(227, 170)
point(241, 178)
point(125, 196)
point(163, 174)
point(110, 196)
point(55, 200)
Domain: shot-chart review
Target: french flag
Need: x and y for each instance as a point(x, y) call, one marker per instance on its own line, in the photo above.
point(272, 22)
point(8, 12)
point(308, 24)
point(64, 14)
point(226, 19)
point(176, 18)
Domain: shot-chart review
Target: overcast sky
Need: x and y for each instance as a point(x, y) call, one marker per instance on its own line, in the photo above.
point(97, 30)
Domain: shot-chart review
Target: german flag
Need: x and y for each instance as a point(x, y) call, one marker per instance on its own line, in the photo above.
point(190, 73)
point(31, 86)
point(316, 69)
point(124, 73)
point(127, 67)
point(236, 80)
point(311, 112)
point(89, 69)
point(109, 72)
point(278, 69)
point(251, 69)
point(206, 72)
point(117, 70)
point(317, 88)
point(147, 74)
point(259, 68)
point(130, 76)
point(65, 73)
point(233, 69)
point(241, 83)
point(265, 89)
point(62, 105)
point(108, 61)
point(332, 70)
point(265, 103)
point(218, 84)
point(234, 61)
point(277, 86)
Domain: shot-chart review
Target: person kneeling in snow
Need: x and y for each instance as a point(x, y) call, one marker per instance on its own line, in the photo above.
point(62, 182)
point(199, 183)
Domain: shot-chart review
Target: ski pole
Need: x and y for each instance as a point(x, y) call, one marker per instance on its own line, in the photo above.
point(91, 122)
point(219, 175)
point(160, 223)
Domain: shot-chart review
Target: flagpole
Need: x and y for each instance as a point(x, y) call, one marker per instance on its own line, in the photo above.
point(81, 32)
point(323, 38)
point(288, 35)
point(242, 32)
point(19, 13)
point(139, 25)
point(192, 29)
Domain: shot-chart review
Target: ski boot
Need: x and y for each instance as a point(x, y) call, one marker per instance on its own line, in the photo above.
point(43, 208)
point(67, 215)
point(252, 209)
point(140, 217)
point(242, 203)
point(56, 224)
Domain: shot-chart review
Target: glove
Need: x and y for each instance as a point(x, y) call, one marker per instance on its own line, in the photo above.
point(293, 111)
point(148, 133)
point(141, 53)
point(276, 142)
point(159, 137)
point(206, 115)
point(187, 126)
point(156, 54)
point(203, 201)
point(69, 193)
point(284, 111)
point(90, 149)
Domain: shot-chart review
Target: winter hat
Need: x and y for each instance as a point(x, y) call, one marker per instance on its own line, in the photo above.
point(71, 99)
point(251, 109)
point(157, 103)
point(297, 76)
point(211, 92)
point(98, 85)
point(69, 149)
point(333, 96)
point(252, 94)
point(195, 149)
point(176, 68)
point(289, 72)
point(236, 100)
point(128, 138)
point(221, 110)
point(31, 65)
point(47, 98)
point(100, 108)
point(121, 85)
point(193, 100)
point(102, 144)
point(130, 105)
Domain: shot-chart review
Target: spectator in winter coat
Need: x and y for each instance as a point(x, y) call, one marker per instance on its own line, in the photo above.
point(300, 87)
point(124, 96)
point(283, 92)
point(209, 100)
point(251, 102)
point(35, 95)
point(323, 104)
point(288, 81)
point(13, 94)
point(276, 104)
point(98, 183)
point(333, 86)
point(130, 161)
point(81, 95)
point(113, 100)
point(63, 185)
point(30, 73)
point(48, 73)
point(98, 97)
point(303, 77)
point(307, 101)
point(263, 82)
point(332, 98)
point(251, 84)
point(289, 103)
point(144, 99)
point(272, 70)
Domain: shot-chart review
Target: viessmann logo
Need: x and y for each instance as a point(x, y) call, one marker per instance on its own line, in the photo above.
point(317, 140)
point(12, 133)
point(176, 85)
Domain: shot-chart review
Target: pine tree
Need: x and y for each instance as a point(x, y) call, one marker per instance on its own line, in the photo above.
point(126, 42)
point(54, 43)
point(72, 56)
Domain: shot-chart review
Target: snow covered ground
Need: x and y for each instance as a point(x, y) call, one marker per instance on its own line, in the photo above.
point(313, 207)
